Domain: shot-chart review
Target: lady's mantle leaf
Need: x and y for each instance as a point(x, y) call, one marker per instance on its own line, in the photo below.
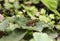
point(3, 25)
point(14, 36)
point(41, 37)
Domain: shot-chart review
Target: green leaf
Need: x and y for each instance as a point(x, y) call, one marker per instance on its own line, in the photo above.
point(32, 16)
point(35, 1)
point(20, 20)
point(12, 1)
point(44, 18)
point(38, 27)
point(58, 27)
point(41, 25)
point(12, 27)
point(16, 4)
point(52, 5)
point(8, 5)
point(11, 19)
point(3, 25)
point(53, 35)
point(14, 36)
point(52, 16)
point(23, 40)
point(32, 40)
point(31, 11)
point(43, 12)
point(41, 37)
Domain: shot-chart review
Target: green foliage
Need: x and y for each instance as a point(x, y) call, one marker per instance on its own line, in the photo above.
point(41, 37)
point(52, 5)
point(35, 1)
point(8, 5)
point(3, 25)
point(14, 36)
point(29, 20)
